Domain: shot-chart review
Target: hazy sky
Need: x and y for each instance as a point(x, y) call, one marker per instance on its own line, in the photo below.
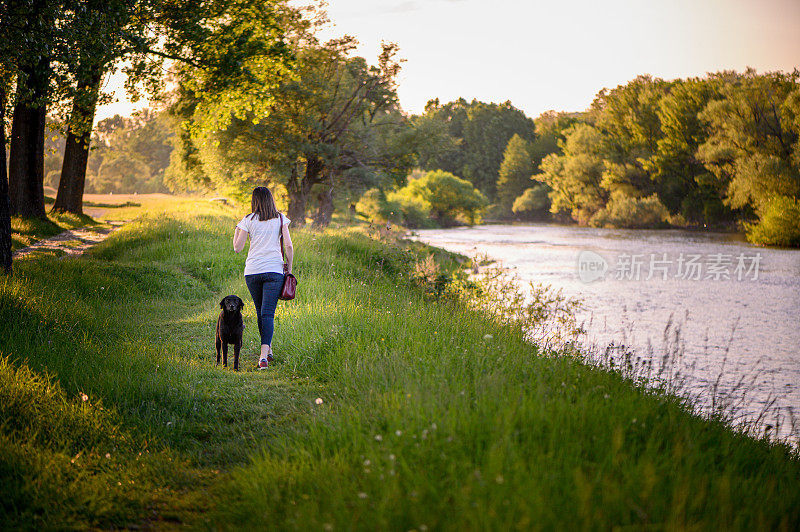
point(559, 54)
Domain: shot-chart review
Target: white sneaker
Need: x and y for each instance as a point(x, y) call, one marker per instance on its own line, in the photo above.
point(263, 363)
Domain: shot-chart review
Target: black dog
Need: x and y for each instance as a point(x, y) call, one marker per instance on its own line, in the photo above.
point(230, 328)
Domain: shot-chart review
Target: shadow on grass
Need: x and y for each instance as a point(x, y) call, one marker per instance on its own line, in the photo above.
point(26, 231)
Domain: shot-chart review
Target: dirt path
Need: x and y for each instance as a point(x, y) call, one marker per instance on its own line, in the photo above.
point(71, 242)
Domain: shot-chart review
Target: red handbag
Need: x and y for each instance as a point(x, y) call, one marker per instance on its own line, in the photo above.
point(289, 281)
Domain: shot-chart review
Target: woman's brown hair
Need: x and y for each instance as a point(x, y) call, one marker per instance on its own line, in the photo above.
point(263, 204)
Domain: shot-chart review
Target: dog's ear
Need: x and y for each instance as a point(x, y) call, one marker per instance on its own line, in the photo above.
point(222, 303)
point(241, 303)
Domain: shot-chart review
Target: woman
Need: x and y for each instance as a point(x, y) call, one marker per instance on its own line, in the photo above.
point(263, 271)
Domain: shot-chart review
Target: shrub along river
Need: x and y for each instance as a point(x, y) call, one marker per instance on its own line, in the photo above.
point(725, 312)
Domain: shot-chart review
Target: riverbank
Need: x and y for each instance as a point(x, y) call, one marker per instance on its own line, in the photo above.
point(388, 408)
point(727, 328)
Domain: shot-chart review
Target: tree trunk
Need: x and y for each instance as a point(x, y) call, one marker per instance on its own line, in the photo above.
point(76, 154)
point(26, 164)
point(297, 199)
point(324, 207)
point(299, 188)
point(5, 206)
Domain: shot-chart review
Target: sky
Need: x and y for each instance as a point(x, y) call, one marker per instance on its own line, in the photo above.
point(557, 54)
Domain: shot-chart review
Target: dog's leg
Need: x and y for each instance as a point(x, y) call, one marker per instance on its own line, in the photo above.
point(219, 342)
point(236, 348)
point(225, 354)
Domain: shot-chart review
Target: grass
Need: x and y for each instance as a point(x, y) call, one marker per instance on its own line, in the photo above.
point(423, 424)
point(26, 231)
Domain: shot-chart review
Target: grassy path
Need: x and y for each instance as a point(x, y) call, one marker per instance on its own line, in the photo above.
point(113, 413)
point(71, 242)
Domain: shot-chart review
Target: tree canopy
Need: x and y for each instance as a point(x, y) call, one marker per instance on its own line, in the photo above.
point(472, 138)
point(332, 126)
point(515, 172)
point(698, 151)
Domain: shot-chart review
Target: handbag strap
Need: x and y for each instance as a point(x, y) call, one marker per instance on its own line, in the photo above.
point(280, 232)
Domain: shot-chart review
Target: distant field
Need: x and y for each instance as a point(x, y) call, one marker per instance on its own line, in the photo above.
point(97, 209)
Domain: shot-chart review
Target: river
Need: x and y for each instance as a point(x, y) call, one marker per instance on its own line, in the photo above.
point(734, 306)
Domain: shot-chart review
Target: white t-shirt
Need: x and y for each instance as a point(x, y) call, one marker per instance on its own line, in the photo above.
point(265, 244)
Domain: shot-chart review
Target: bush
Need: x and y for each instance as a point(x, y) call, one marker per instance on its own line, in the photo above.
point(415, 211)
point(779, 224)
point(450, 197)
point(377, 208)
point(534, 201)
point(629, 212)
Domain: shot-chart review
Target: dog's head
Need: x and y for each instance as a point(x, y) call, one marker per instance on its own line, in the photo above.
point(231, 304)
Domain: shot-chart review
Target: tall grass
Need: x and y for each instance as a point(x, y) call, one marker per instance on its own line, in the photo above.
point(391, 406)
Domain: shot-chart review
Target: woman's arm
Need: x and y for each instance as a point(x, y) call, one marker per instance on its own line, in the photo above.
point(288, 248)
point(239, 239)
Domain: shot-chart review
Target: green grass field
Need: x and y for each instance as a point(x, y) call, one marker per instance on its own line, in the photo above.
point(113, 413)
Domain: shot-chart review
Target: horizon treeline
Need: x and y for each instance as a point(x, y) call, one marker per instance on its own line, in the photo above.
point(323, 127)
point(718, 150)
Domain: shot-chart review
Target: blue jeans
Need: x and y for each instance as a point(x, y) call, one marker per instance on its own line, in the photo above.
point(265, 289)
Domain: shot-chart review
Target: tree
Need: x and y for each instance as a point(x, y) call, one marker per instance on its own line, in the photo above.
point(377, 208)
point(683, 182)
point(33, 23)
point(232, 53)
point(779, 224)
point(533, 203)
point(752, 139)
point(576, 175)
point(550, 128)
point(515, 173)
point(752, 149)
point(100, 42)
point(120, 172)
point(334, 120)
point(628, 121)
point(434, 145)
point(5, 203)
point(480, 133)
